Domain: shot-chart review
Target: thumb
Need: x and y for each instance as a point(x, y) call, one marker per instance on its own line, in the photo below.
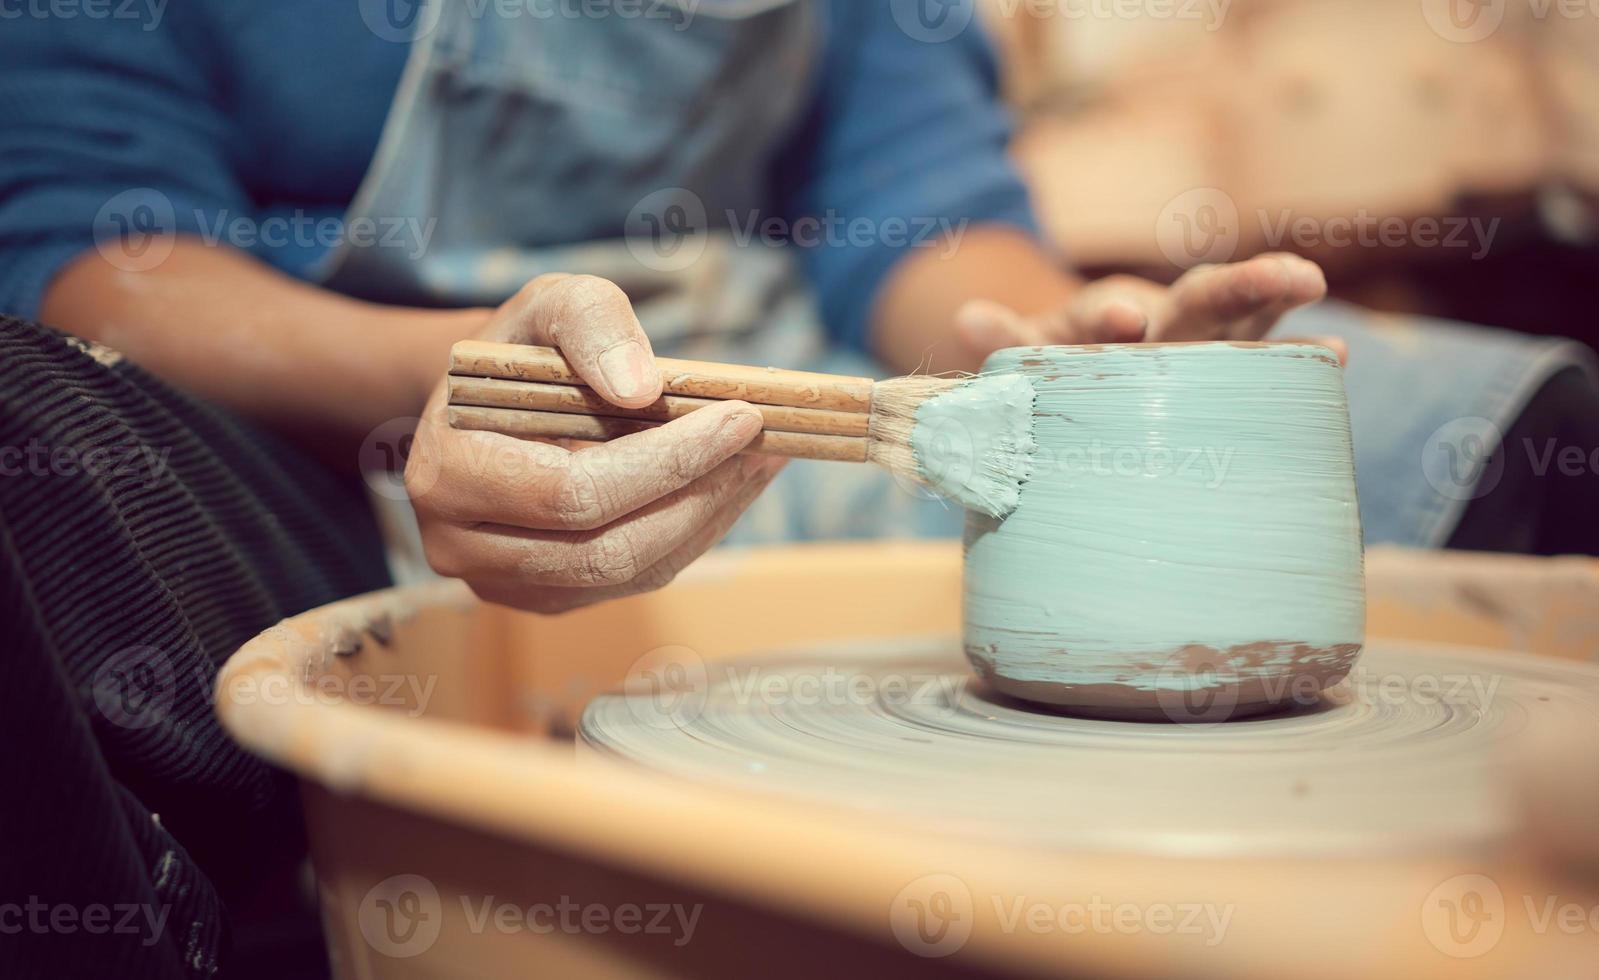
point(592, 322)
point(984, 326)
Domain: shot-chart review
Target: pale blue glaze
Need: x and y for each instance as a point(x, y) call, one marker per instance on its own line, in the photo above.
point(1178, 495)
point(973, 444)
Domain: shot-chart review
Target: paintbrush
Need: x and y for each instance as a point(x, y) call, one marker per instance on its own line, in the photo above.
point(967, 438)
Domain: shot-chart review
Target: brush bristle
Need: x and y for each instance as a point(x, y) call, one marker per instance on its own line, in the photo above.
point(969, 439)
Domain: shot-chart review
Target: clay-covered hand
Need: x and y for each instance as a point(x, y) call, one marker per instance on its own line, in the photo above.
point(548, 527)
point(1237, 301)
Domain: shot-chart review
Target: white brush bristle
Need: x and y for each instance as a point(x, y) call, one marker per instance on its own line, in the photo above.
point(969, 439)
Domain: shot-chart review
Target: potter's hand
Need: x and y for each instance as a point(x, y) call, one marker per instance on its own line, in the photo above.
point(542, 527)
point(1240, 301)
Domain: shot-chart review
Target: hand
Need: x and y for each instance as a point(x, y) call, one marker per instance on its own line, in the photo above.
point(548, 528)
point(1240, 301)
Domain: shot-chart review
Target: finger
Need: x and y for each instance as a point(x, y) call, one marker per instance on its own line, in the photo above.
point(1240, 301)
point(1246, 288)
point(612, 555)
point(1115, 310)
point(1115, 321)
point(557, 599)
point(487, 477)
point(984, 326)
point(591, 320)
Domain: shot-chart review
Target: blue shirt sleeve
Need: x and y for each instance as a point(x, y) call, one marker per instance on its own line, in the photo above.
point(107, 128)
point(905, 141)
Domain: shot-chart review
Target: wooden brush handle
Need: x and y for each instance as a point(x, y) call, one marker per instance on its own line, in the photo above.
point(534, 392)
point(577, 400)
point(695, 379)
point(525, 423)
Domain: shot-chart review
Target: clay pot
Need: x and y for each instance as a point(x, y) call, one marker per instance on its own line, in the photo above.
point(1187, 546)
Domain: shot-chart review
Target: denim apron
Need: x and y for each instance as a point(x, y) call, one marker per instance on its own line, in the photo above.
point(631, 148)
point(1429, 403)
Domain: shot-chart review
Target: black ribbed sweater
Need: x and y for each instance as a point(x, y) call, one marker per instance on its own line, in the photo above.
point(122, 590)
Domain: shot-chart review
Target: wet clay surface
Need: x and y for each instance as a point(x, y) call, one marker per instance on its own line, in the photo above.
point(1406, 755)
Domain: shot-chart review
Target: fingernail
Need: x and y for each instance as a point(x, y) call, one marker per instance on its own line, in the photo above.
point(743, 424)
point(626, 368)
point(1306, 275)
point(1128, 311)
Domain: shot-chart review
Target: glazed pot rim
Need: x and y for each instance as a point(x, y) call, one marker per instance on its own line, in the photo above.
point(1252, 345)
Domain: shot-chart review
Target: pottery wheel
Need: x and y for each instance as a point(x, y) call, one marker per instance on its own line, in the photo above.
point(1412, 753)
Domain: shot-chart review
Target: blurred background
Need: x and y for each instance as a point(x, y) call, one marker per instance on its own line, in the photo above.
point(1436, 157)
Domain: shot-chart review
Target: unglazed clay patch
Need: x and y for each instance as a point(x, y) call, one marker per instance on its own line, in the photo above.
point(1195, 683)
point(1188, 529)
